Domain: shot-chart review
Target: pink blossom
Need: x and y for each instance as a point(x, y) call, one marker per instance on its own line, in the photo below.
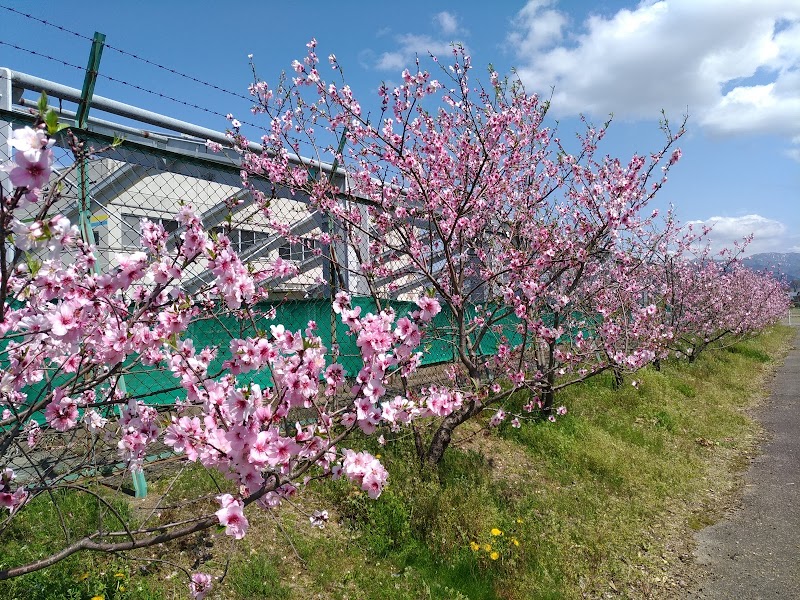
point(31, 142)
point(200, 585)
point(31, 173)
point(497, 418)
point(62, 412)
point(430, 307)
point(319, 518)
point(231, 515)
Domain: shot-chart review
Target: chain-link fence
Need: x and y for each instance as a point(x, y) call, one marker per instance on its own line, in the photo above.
point(152, 175)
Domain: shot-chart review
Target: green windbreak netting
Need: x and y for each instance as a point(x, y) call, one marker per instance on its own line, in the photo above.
point(216, 331)
point(437, 348)
point(157, 385)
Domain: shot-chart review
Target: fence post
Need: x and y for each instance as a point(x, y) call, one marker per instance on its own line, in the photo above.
point(5, 126)
point(335, 280)
point(84, 207)
point(81, 119)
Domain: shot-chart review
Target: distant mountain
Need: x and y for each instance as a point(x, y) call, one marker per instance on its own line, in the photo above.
point(787, 263)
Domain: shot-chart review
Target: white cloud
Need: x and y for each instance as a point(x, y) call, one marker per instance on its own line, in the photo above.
point(536, 26)
point(409, 46)
point(448, 22)
point(768, 235)
point(735, 65)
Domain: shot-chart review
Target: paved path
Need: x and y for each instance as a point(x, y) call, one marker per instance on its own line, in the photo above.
point(754, 552)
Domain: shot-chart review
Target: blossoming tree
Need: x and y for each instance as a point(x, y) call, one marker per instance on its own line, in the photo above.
point(714, 300)
point(473, 198)
point(541, 262)
point(71, 333)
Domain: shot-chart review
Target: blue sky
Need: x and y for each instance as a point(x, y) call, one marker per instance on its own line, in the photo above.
point(734, 65)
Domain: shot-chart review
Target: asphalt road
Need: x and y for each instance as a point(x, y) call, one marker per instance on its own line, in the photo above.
point(754, 552)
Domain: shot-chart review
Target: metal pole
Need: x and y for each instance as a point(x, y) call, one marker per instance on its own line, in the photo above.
point(84, 206)
point(81, 118)
point(335, 269)
point(5, 126)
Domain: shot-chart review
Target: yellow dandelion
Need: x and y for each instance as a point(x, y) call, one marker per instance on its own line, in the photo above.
point(519, 521)
point(122, 588)
point(495, 532)
point(515, 541)
point(83, 577)
point(494, 555)
point(98, 598)
point(119, 575)
point(475, 546)
point(487, 547)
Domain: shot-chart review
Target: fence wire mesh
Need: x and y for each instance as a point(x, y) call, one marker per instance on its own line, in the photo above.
point(152, 177)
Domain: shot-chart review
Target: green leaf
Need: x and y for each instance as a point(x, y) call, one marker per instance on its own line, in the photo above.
point(51, 120)
point(42, 105)
point(33, 264)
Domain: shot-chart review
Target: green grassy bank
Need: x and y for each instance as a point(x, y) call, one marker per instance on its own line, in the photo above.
point(600, 504)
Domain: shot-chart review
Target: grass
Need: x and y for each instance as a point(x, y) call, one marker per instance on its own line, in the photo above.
point(599, 503)
point(79, 576)
point(256, 577)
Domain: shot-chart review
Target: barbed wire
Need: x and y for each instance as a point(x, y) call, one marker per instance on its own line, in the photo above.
point(130, 54)
point(47, 56)
point(131, 85)
point(177, 100)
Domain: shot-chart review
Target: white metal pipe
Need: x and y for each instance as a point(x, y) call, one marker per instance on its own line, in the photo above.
point(121, 109)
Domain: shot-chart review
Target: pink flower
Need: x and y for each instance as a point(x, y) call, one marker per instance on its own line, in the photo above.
point(33, 433)
point(62, 412)
point(341, 302)
point(429, 308)
point(27, 235)
point(63, 319)
point(365, 470)
point(319, 518)
point(13, 501)
point(31, 142)
point(31, 173)
point(498, 418)
point(200, 585)
point(231, 515)
point(9, 500)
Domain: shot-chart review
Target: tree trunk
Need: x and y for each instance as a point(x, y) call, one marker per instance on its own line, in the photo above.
point(548, 399)
point(443, 435)
point(619, 378)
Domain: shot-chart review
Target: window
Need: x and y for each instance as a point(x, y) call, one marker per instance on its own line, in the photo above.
point(132, 232)
point(242, 239)
point(251, 238)
point(302, 250)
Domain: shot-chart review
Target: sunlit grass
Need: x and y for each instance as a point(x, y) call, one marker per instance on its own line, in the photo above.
point(582, 505)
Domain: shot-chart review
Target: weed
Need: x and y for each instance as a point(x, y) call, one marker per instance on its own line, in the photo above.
point(256, 577)
point(576, 503)
point(748, 352)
